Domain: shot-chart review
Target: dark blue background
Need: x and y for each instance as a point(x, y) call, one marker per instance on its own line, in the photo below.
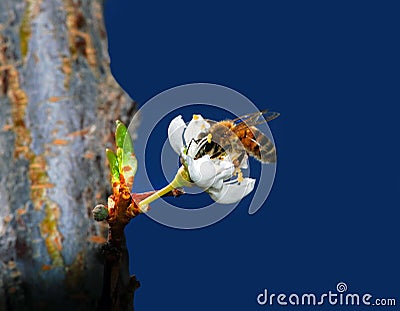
point(332, 69)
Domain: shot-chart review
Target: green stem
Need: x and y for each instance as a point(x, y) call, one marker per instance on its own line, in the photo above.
point(156, 195)
point(181, 179)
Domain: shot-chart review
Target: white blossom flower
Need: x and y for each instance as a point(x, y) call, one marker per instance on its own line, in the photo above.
point(212, 175)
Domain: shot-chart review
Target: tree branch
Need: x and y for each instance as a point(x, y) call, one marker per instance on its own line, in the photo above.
point(118, 286)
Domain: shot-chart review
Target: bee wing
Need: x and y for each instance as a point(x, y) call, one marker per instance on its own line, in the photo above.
point(257, 117)
point(211, 122)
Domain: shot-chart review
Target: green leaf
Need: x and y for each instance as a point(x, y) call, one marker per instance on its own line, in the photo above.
point(125, 157)
point(119, 158)
point(120, 133)
point(129, 167)
point(114, 167)
point(122, 137)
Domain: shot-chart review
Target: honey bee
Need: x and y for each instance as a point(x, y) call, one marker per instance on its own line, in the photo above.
point(238, 138)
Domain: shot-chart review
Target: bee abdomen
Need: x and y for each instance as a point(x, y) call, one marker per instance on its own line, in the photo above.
point(262, 147)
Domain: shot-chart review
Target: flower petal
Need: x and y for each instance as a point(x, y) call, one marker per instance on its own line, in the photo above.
point(225, 168)
point(232, 192)
point(196, 126)
point(175, 132)
point(202, 171)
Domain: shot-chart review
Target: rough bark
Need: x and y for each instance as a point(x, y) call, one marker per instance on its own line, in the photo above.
point(58, 103)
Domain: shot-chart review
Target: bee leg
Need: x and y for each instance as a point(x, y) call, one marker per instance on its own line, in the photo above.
point(238, 161)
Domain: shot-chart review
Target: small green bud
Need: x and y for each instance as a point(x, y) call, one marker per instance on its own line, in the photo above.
point(100, 212)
